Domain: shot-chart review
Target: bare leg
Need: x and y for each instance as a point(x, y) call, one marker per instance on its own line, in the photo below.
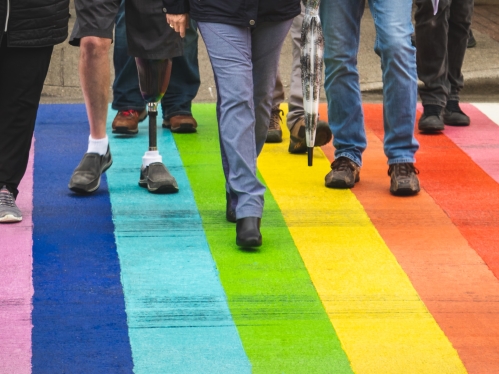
point(95, 81)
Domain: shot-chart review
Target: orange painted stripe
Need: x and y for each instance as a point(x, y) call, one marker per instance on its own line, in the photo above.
point(456, 286)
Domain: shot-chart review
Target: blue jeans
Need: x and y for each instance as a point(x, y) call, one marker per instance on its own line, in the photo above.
point(244, 63)
point(341, 26)
point(184, 81)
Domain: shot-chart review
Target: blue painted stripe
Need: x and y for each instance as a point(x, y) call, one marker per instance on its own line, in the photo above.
point(177, 310)
point(78, 306)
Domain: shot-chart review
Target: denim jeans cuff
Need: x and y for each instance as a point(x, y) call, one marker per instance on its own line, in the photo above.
point(349, 156)
point(178, 113)
point(402, 161)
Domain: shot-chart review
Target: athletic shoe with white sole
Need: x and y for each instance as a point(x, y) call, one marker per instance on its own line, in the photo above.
point(9, 212)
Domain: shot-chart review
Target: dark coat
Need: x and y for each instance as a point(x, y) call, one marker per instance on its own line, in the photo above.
point(244, 13)
point(34, 23)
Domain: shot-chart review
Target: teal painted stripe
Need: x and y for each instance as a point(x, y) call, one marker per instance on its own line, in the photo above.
point(177, 311)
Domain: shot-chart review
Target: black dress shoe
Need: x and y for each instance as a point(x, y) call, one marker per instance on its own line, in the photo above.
point(248, 232)
point(230, 214)
point(86, 177)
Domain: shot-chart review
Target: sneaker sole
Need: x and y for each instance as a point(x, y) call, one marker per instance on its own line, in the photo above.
point(185, 128)
point(9, 218)
point(458, 124)
point(125, 131)
point(404, 192)
point(83, 189)
point(274, 137)
point(165, 189)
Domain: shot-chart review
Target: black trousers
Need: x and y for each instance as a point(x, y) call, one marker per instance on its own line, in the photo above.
point(22, 73)
point(441, 42)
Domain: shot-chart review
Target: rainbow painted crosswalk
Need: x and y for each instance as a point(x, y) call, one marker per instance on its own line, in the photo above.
point(347, 281)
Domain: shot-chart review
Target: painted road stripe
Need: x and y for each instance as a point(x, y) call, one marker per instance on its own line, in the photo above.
point(480, 140)
point(456, 286)
point(474, 206)
point(177, 311)
point(381, 321)
point(16, 287)
point(281, 321)
point(78, 306)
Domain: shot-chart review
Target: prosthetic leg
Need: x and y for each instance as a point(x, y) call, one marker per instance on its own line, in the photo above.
point(154, 76)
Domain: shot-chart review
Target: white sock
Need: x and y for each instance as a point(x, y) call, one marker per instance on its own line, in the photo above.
point(98, 145)
point(150, 157)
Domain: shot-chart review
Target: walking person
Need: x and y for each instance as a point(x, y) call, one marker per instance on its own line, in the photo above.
point(341, 27)
point(441, 42)
point(243, 40)
point(29, 29)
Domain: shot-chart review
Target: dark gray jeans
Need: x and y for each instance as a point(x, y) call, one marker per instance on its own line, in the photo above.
point(441, 41)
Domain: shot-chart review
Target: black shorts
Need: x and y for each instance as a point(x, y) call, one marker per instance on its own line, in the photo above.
point(148, 35)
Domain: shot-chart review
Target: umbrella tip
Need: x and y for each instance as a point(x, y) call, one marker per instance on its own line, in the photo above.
point(310, 151)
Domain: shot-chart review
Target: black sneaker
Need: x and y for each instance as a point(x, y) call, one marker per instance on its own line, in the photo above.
point(86, 176)
point(9, 212)
point(297, 141)
point(157, 179)
point(454, 116)
point(404, 181)
point(344, 174)
point(274, 135)
point(431, 120)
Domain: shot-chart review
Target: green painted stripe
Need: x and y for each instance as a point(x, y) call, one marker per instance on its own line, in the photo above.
point(280, 318)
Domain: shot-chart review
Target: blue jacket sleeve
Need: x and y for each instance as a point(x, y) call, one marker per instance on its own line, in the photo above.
point(176, 6)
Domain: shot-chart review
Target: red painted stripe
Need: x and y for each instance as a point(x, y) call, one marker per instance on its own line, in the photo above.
point(16, 285)
point(456, 286)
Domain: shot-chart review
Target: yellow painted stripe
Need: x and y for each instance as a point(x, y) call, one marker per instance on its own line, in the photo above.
point(383, 325)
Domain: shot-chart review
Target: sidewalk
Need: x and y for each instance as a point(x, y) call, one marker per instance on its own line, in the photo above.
point(481, 65)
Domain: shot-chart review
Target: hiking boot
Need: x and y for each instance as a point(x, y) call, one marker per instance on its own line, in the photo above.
point(157, 179)
point(86, 176)
point(431, 120)
point(454, 116)
point(274, 135)
point(9, 212)
point(344, 174)
point(471, 40)
point(181, 124)
point(127, 121)
point(297, 141)
point(404, 181)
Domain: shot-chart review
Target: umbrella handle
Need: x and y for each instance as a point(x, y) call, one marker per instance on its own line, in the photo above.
point(310, 152)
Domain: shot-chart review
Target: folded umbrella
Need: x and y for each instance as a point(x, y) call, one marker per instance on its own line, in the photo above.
point(312, 48)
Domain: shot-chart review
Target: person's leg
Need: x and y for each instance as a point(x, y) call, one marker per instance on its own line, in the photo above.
point(459, 31)
point(127, 99)
point(431, 49)
point(93, 33)
point(22, 73)
point(398, 63)
point(274, 134)
point(184, 85)
point(265, 53)
point(341, 27)
point(229, 48)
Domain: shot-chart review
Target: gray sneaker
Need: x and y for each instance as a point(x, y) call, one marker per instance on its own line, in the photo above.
point(344, 174)
point(157, 179)
point(404, 180)
point(86, 176)
point(9, 212)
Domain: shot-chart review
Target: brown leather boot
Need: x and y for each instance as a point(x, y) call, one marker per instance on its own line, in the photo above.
point(127, 121)
point(181, 124)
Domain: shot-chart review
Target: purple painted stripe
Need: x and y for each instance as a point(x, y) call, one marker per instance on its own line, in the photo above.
point(16, 283)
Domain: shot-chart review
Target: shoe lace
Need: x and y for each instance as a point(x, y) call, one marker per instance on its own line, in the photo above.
point(342, 164)
point(453, 106)
point(432, 110)
point(275, 118)
point(403, 170)
point(6, 198)
point(128, 113)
